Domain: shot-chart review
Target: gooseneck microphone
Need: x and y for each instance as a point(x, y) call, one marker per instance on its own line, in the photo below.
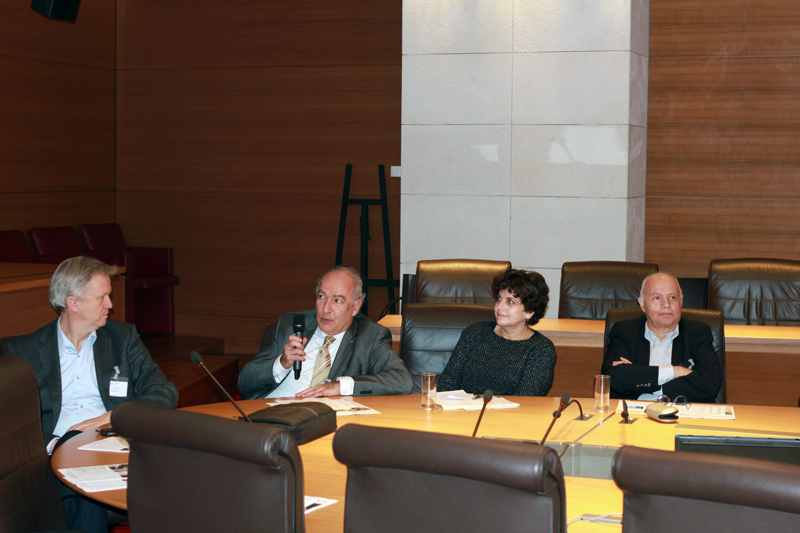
point(556, 414)
point(487, 397)
point(625, 415)
point(195, 357)
point(580, 408)
point(298, 326)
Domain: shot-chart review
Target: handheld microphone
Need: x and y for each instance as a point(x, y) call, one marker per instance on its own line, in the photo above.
point(487, 397)
point(195, 357)
point(298, 326)
point(556, 414)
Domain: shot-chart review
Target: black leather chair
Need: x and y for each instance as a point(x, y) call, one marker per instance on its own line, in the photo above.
point(666, 491)
point(713, 318)
point(195, 472)
point(467, 281)
point(590, 288)
point(763, 292)
point(400, 480)
point(431, 331)
point(29, 495)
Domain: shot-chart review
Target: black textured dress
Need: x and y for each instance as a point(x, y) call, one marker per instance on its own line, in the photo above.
point(484, 360)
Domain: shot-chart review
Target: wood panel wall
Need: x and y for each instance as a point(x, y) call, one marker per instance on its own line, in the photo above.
point(235, 121)
point(57, 108)
point(723, 147)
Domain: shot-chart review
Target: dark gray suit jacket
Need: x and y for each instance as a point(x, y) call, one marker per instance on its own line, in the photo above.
point(117, 344)
point(365, 354)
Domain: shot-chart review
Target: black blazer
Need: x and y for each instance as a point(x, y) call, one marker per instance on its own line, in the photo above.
point(118, 344)
point(694, 341)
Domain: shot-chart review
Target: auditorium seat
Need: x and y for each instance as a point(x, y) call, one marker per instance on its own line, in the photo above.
point(14, 248)
point(713, 318)
point(431, 331)
point(201, 473)
point(54, 244)
point(590, 288)
point(149, 278)
point(760, 292)
point(667, 491)
point(29, 495)
point(400, 480)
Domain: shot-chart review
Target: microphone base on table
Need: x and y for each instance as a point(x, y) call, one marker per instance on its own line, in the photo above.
point(630, 420)
point(587, 416)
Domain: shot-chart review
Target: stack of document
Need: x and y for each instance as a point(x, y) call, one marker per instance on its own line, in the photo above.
point(459, 399)
point(98, 478)
point(109, 444)
point(343, 406)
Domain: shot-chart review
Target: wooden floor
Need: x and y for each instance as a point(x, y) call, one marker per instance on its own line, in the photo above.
point(171, 353)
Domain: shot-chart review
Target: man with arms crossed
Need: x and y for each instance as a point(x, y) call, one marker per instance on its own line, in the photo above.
point(662, 353)
point(85, 365)
point(359, 359)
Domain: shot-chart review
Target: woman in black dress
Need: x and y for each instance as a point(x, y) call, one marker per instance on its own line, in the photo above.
point(506, 355)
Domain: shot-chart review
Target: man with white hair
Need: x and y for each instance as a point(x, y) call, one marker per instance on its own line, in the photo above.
point(661, 352)
point(85, 365)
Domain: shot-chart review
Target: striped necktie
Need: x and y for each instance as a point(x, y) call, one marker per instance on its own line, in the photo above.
point(322, 367)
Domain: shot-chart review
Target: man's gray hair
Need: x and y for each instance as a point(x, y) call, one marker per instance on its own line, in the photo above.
point(641, 291)
point(358, 294)
point(71, 277)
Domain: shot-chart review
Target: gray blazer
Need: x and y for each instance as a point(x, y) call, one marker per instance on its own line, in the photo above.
point(365, 354)
point(117, 344)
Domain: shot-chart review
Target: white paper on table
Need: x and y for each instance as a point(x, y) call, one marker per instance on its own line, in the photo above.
point(343, 406)
point(97, 478)
point(109, 444)
point(709, 411)
point(313, 503)
point(450, 400)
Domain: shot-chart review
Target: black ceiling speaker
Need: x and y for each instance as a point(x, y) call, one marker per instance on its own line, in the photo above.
point(57, 9)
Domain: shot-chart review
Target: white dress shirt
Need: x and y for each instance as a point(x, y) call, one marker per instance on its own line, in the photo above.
point(291, 386)
point(80, 394)
point(660, 356)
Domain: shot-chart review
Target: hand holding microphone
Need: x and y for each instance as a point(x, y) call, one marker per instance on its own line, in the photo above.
point(298, 327)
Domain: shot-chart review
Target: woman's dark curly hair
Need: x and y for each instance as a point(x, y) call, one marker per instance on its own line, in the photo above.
point(529, 287)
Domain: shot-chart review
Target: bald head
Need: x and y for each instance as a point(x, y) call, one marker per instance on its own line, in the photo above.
point(661, 300)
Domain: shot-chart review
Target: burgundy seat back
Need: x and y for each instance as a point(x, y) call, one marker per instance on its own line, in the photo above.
point(103, 237)
point(60, 241)
point(14, 248)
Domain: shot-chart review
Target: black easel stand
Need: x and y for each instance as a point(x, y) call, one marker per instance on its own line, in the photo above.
point(389, 282)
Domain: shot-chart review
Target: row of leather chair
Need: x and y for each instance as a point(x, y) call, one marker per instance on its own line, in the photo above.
point(194, 472)
point(149, 276)
point(747, 291)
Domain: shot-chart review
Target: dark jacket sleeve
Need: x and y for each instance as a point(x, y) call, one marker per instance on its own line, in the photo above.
point(256, 379)
point(703, 384)
point(628, 381)
point(150, 385)
point(385, 373)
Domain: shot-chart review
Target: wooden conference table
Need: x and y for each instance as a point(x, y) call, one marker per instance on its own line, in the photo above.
point(755, 355)
point(326, 477)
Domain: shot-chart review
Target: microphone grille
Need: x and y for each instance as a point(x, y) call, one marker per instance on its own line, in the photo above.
point(488, 395)
point(565, 398)
point(195, 357)
point(299, 322)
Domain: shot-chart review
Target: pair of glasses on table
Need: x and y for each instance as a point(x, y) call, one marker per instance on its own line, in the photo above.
point(677, 402)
